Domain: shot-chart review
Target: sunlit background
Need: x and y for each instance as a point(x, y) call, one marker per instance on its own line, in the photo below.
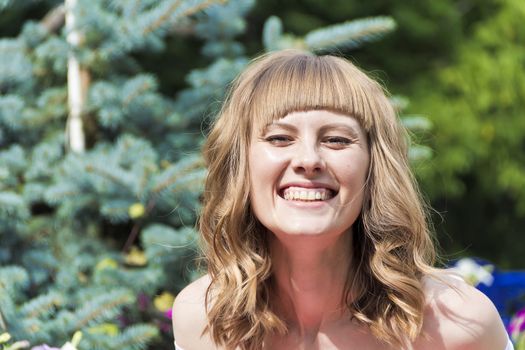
point(104, 105)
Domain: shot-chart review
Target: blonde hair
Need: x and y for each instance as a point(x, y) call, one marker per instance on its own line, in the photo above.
point(392, 245)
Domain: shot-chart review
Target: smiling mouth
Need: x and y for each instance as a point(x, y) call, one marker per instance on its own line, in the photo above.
point(306, 194)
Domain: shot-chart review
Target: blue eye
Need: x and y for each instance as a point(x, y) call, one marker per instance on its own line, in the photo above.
point(338, 140)
point(278, 140)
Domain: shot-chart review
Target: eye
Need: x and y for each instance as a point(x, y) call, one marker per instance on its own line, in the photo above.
point(337, 141)
point(278, 140)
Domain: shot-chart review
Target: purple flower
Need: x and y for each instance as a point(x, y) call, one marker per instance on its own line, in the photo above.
point(164, 327)
point(143, 301)
point(123, 320)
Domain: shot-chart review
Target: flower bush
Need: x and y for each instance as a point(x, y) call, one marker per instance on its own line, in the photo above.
point(506, 289)
point(516, 329)
point(5, 339)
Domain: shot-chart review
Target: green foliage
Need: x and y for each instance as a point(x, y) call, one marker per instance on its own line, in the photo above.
point(348, 35)
point(476, 106)
point(427, 33)
point(89, 240)
point(61, 269)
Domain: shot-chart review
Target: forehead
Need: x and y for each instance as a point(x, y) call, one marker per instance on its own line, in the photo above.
point(311, 83)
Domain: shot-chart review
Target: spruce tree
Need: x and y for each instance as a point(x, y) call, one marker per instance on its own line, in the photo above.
point(101, 172)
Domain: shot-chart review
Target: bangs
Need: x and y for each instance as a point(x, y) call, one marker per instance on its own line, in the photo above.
point(292, 83)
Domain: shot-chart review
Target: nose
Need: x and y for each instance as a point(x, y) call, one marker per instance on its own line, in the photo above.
point(308, 160)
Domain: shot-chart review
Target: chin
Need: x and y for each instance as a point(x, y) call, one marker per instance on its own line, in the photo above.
point(303, 229)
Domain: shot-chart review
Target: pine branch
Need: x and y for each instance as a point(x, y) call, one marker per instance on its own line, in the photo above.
point(272, 33)
point(146, 279)
point(54, 19)
point(102, 308)
point(350, 35)
point(41, 306)
point(107, 174)
point(162, 19)
point(12, 279)
point(59, 192)
point(136, 337)
point(163, 244)
point(136, 227)
point(176, 173)
point(12, 205)
point(202, 6)
point(16, 73)
point(145, 86)
point(193, 181)
point(166, 16)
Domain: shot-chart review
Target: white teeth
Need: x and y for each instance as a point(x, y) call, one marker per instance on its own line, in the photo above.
point(307, 194)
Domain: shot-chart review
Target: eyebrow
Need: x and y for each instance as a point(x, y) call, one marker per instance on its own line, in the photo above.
point(339, 126)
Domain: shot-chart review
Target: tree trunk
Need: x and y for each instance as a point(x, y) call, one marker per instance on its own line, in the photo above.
point(77, 85)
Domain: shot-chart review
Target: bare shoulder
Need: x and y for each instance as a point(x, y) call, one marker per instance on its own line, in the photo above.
point(189, 316)
point(458, 316)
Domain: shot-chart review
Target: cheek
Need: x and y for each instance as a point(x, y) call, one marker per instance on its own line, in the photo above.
point(358, 171)
point(352, 178)
point(265, 169)
point(349, 168)
point(265, 164)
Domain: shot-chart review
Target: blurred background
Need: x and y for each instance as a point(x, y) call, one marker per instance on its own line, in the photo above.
point(104, 106)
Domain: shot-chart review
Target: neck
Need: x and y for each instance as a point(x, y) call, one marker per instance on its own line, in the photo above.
point(310, 275)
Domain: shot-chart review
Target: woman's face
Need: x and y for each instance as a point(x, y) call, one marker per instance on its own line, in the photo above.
point(308, 172)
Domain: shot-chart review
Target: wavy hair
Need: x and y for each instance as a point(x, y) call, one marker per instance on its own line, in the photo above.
point(393, 248)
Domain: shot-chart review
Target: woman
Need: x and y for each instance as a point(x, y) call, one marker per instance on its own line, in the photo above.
point(313, 230)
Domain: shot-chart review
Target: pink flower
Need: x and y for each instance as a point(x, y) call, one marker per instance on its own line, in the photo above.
point(517, 323)
point(168, 314)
